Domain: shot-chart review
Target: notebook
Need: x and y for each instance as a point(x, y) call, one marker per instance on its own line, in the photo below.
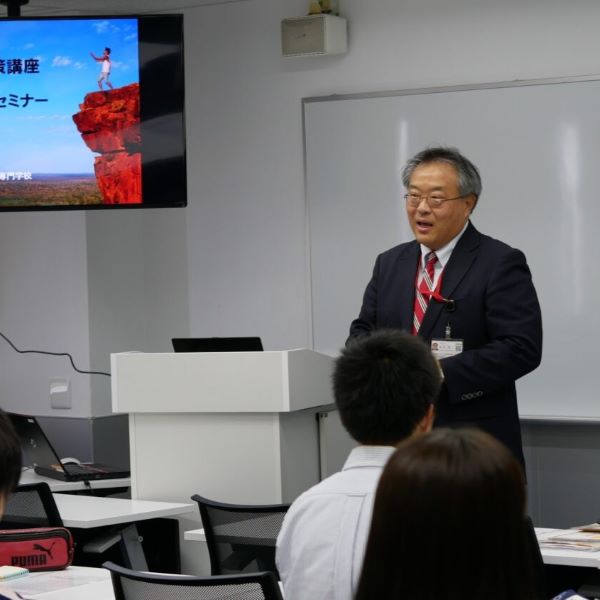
point(9, 572)
point(39, 453)
point(217, 344)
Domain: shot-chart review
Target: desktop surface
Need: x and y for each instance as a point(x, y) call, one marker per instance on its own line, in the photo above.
point(73, 583)
point(86, 512)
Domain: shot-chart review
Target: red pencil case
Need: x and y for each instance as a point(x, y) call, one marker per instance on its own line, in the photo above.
point(37, 549)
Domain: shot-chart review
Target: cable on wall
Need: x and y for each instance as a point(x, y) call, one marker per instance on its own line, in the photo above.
point(53, 354)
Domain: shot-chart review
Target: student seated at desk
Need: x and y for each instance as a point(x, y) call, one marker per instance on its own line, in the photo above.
point(10, 472)
point(384, 387)
point(449, 523)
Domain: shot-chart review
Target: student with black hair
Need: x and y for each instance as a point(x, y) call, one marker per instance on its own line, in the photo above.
point(385, 386)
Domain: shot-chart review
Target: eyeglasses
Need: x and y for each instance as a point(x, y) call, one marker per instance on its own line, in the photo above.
point(415, 200)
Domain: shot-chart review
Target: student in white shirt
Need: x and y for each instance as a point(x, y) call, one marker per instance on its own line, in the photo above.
point(384, 385)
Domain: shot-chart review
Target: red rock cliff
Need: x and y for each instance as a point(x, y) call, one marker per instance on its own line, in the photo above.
point(109, 123)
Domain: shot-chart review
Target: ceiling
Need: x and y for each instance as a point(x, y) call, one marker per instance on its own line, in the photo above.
point(107, 7)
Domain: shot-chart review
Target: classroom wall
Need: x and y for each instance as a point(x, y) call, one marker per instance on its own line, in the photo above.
point(234, 262)
point(43, 306)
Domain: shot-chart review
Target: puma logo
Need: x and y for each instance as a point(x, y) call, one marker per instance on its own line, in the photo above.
point(41, 548)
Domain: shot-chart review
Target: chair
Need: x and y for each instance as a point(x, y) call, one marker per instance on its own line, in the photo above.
point(135, 585)
point(31, 505)
point(241, 538)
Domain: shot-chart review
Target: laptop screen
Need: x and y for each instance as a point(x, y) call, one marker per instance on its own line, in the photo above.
point(37, 450)
point(217, 344)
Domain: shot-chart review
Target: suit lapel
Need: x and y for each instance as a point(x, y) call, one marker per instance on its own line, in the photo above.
point(406, 267)
point(459, 264)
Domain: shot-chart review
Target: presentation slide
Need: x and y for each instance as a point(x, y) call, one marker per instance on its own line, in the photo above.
point(69, 112)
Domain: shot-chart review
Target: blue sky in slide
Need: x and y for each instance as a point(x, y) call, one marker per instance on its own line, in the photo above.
point(37, 133)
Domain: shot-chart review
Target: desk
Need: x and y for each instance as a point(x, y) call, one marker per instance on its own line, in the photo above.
point(194, 535)
point(30, 476)
point(87, 512)
point(91, 513)
point(74, 583)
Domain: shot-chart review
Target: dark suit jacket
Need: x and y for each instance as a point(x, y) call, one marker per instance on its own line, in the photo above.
point(497, 314)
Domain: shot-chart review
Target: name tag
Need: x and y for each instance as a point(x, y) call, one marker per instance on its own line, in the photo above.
point(446, 348)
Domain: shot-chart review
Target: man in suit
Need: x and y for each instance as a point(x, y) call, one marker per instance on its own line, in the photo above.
point(461, 291)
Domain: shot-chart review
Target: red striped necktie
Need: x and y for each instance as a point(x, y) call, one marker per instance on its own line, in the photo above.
point(426, 285)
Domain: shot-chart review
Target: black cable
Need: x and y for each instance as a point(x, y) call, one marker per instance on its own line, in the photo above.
point(52, 354)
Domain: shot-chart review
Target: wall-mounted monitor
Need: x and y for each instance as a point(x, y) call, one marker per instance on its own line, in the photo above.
point(92, 113)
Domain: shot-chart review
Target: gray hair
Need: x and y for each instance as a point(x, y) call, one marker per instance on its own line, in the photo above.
point(469, 181)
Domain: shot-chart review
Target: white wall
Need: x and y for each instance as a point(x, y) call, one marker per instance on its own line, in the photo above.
point(137, 285)
point(234, 260)
point(43, 306)
point(246, 220)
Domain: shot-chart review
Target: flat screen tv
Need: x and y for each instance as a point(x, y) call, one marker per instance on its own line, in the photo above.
point(92, 112)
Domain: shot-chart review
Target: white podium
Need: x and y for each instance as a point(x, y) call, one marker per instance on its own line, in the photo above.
point(236, 426)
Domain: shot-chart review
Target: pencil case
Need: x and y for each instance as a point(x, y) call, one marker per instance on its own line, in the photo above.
point(37, 549)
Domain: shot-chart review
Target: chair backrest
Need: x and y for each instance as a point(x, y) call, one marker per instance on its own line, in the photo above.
point(241, 538)
point(135, 585)
point(31, 505)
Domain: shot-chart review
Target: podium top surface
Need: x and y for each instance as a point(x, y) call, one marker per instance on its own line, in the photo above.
point(221, 382)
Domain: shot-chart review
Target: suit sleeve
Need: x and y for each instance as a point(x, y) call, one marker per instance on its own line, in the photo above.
point(513, 334)
point(367, 318)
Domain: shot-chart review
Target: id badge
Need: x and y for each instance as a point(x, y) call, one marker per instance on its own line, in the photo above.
point(446, 348)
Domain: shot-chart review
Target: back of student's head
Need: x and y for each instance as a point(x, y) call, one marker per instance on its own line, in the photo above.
point(10, 456)
point(384, 385)
point(449, 522)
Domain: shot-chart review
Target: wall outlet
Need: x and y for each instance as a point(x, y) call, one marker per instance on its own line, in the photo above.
point(60, 393)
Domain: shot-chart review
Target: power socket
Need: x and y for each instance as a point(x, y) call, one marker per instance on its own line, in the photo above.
point(60, 393)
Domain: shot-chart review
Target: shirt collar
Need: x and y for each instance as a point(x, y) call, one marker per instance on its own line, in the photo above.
point(444, 253)
point(368, 456)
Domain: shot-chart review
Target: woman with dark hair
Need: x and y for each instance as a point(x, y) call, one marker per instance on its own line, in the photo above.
point(449, 523)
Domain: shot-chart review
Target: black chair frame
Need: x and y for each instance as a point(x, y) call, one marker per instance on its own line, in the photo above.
point(42, 490)
point(264, 554)
point(265, 579)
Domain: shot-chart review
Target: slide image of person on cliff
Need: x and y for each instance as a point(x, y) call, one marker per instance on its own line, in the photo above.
point(71, 144)
point(105, 70)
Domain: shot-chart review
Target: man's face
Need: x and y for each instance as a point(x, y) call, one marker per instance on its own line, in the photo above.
point(435, 227)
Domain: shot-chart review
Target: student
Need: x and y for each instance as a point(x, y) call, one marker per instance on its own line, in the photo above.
point(10, 473)
point(384, 387)
point(449, 523)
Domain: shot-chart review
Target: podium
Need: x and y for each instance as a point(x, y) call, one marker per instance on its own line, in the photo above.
point(234, 426)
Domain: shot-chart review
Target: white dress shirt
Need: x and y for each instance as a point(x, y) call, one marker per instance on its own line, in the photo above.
point(321, 545)
point(443, 256)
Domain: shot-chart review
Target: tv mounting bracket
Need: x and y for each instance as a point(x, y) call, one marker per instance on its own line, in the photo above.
point(13, 7)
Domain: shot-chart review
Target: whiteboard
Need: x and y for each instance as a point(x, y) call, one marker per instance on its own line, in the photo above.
point(537, 145)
